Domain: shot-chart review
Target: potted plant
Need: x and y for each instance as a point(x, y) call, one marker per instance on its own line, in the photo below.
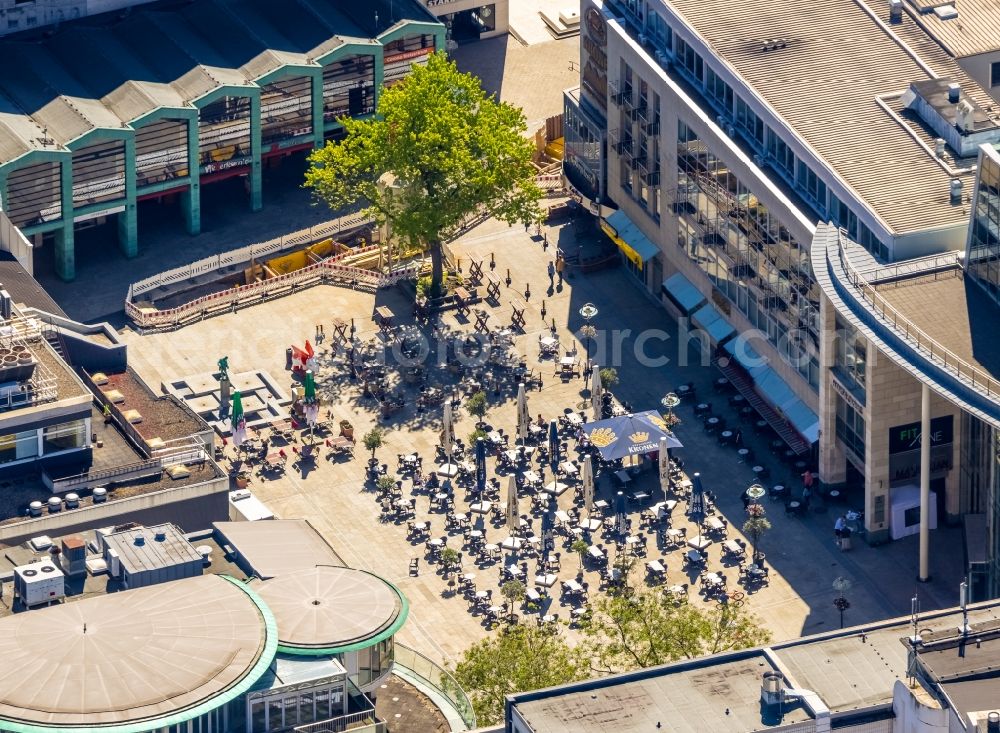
point(609, 377)
point(477, 406)
point(373, 440)
point(346, 429)
point(579, 546)
point(755, 526)
point(242, 479)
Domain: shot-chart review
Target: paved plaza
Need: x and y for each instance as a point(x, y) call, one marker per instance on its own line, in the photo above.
point(333, 494)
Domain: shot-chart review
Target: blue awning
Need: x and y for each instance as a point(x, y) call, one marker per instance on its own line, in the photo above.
point(709, 319)
point(804, 420)
point(747, 356)
point(628, 234)
point(775, 390)
point(680, 289)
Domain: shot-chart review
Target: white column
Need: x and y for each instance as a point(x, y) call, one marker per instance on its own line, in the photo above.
point(925, 482)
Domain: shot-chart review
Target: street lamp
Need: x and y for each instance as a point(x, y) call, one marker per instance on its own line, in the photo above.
point(756, 492)
point(841, 585)
point(670, 401)
point(587, 312)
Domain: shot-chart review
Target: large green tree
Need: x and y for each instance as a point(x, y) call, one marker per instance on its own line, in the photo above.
point(644, 630)
point(516, 659)
point(451, 149)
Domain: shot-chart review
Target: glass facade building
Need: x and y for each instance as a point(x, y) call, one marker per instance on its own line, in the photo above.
point(747, 253)
point(983, 256)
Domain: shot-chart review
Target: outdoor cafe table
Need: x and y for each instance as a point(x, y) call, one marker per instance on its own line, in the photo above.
point(694, 556)
point(579, 611)
point(568, 468)
point(421, 526)
point(712, 579)
point(436, 542)
point(555, 488)
point(676, 590)
point(664, 507)
point(547, 342)
point(512, 543)
point(656, 566)
point(639, 496)
point(674, 534)
point(699, 542)
point(562, 517)
point(595, 552)
point(546, 580)
point(600, 504)
point(733, 547)
point(481, 507)
point(574, 419)
point(531, 478)
point(482, 594)
point(572, 586)
point(384, 316)
point(491, 548)
point(495, 438)
point(590, 525)
point(623, 476)
point(632, 540)
point(476, 534)
point(714, 524)
point(514, 454)
point(514, 571)
point(273, 460)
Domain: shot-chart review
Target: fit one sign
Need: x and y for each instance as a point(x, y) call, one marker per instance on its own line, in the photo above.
point(903, 438)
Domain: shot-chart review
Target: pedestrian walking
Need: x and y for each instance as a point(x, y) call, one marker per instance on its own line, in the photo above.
point(552, 274)
point(839, 526)
point(560, 266)
point(806, 498)
point(807, 478)
point(738, 438)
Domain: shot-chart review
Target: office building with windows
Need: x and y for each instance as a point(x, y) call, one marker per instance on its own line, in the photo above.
point(150, 105)
point(737, 141)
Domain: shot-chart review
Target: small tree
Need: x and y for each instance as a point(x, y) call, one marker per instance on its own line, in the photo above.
point(451, 559)
point(385, 484)
point(609, 377)
point(623, 564)
point(642, 630)
point(477, 406)
point(755, 526)
point(518, 658)
point(513, 591)
point(579, 546)
point(476, 435)
point(374, 439)
point(589, 333)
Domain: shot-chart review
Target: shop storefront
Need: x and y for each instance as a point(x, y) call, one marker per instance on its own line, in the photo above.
point(470, 20)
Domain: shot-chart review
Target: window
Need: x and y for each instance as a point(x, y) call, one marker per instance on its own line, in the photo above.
point(720, 92)
point(690, 61)
point(782, 155)
point(811, 185)
point(65, 436)
point(851, 428)
point(15, 446)
point(748, 122)
point(850, 355)
point(995, 74)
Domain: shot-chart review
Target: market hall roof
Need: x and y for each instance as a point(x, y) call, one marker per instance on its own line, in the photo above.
point(108, 70)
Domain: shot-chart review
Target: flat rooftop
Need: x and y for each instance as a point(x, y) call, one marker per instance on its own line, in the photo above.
point(329, 607)
point(974, 29)
point(721, 698)
point(954, 311)
point(163, 416)
point(141, 548)
point(851, 670)
point(81, 587)
point(137, 656)
point(277, 547)
point(824, 84)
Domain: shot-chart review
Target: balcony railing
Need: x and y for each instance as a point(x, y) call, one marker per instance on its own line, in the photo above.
point(437, 678)
point(911, 333)
point(620, 96)
point(622, 144)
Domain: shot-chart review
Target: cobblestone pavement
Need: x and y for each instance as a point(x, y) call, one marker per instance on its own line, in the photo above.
point(333, 494)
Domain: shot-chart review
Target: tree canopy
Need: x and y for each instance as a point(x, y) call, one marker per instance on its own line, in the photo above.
point(643, 630)
point(451, 149)
point(516, 659)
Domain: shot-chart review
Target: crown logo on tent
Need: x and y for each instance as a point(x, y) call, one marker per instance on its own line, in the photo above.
point(639, 437)
point(603, 437)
